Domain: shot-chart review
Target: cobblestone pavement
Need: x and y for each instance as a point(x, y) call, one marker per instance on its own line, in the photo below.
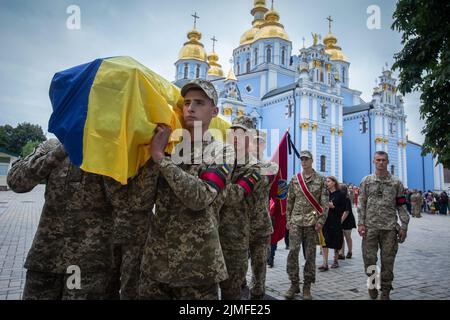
point(421, 271)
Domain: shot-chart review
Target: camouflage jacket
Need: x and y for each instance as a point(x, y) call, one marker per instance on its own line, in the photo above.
point(133, 204)
point(76, 222)
point(183, 247)
point(417, 199)
point(260, 222)
point(245, 188)
point(298, 209)
point(378, 203)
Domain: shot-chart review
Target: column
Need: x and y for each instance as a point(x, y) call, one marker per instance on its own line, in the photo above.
point(386, 135)
point(333, 151)
point(314, 131)
point(405, 172)
point(304, 120)
point(340, 134)
point(378, 132)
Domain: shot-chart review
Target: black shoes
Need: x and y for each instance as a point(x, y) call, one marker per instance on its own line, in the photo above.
point(349, 255)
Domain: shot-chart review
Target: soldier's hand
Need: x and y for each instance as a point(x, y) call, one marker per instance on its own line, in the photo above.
point(362, 230)
point(402, 234)
point(318, 227)
point(57, 154)
point(159, 142)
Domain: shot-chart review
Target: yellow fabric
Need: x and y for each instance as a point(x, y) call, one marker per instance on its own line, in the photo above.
point(126, 102)
point(322, 239)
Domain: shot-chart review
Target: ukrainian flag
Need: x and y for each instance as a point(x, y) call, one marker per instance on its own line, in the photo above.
point(105, 113)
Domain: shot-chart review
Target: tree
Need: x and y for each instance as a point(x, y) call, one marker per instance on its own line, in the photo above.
point(14, 139)
point(29, 147)
point(424, 65)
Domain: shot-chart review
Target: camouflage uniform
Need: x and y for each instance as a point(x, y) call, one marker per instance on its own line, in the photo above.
point(234, 225)
point(379, 202)
point(261, 230)
point(75, 227)
point(182, 256)
point(133, 205)
point(417, 202)
point(302, 218)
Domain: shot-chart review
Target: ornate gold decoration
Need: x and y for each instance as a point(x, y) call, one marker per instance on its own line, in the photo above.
point(333, 131)
point(378, 140)
point(304, 125)
point(341, 132)
point(227, 111)
point(240, 112)
point(314, 126)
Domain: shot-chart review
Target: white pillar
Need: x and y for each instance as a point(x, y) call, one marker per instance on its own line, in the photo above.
point(386, 134)
point(333, 152)
point(304, 120)
point(405, 171)
point(314, 144)
point(340, 167)
point(314, 131)
point(400, 167)
point(378, 132)
point(438, 176)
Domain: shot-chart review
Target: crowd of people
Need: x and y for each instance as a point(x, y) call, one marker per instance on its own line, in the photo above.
point(186, 230)
point(426, 201)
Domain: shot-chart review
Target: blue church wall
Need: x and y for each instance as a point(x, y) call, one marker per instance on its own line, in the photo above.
point(356, 154)
point(284, 80)
point(348, 98)
point(420, 170)
point(254, 83)
point(323, 149)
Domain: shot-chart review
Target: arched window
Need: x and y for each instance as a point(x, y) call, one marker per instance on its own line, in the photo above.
point(197, 71)
point(343, 75)
point(323, 163)
point(186, 69)
point(256, 56)
point(323, 111)
point(321, 76)
point(283, 56)
point(268, 54)
point(248, 65)
point(393, 170)
point(238, 68)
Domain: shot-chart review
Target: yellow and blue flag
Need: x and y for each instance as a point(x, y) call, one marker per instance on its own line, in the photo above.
point(105, 113)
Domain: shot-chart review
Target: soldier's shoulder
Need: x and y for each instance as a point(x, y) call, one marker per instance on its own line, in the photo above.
point(367, 178)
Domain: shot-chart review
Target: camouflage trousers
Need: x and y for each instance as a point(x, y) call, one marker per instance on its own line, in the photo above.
point(387, 242)
point(127, 263)
point(237, 265)
point(416, 210)
point(53, 286)
point(258, 261)
point(150, 289)
point(310, 239)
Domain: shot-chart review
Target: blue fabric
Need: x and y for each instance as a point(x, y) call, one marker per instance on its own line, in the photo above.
point(69, 95)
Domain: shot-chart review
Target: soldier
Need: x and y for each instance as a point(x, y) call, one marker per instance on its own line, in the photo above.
point(182, 256)
point(381, 198)
point(306, 213)
point(416, 204)
point(234, 226)
point(133, 205)
point(71, 254)
point(260, 222)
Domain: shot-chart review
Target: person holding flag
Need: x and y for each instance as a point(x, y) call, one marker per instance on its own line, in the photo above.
point(306, 213)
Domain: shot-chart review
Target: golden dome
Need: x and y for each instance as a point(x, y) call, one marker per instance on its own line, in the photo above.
point(193, 49)
point(231, 76)
point(271, 28)
point(215, 69)
point(332, 49)
point(257, 12)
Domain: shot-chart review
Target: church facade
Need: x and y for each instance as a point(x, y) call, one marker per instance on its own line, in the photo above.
point(309, 95)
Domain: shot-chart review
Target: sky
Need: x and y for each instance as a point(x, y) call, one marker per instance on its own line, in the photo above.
point(36, 42)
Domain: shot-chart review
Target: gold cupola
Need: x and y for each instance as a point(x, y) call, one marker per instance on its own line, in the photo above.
point(193, 49)
point(331, 48)
point(271, 28)
point(258, 11)
point(215, 69)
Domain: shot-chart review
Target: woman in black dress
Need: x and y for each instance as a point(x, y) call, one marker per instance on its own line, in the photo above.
point(348, 223)
point(332, 229)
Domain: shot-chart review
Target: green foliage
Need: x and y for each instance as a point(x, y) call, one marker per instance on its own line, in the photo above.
point(424, 65)
point(14, 139)
point(29, 147)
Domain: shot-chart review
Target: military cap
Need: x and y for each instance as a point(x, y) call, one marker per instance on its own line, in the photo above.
point(306, 154)
point(243, 122)
point(204, 85)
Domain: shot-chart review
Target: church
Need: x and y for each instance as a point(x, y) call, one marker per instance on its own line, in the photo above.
point(308, 94)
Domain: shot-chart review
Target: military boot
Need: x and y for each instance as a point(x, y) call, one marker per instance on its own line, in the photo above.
point(293, 290)
point(373, 293)
point(385, 295)
point(307, 292)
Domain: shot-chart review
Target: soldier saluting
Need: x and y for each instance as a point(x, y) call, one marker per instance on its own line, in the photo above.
point(381, 198)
